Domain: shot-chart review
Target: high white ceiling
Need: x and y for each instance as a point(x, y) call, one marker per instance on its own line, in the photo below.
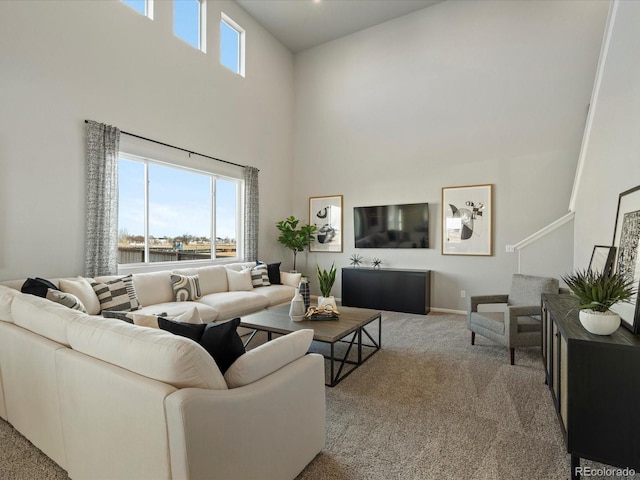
point(302, 24)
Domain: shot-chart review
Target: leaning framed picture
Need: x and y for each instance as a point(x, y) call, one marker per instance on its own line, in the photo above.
point(467, 220)
point(325, 213)
point(602, 259)
point(626, 237)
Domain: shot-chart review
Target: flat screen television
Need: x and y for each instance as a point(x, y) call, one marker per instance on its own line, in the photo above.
point(392, 226)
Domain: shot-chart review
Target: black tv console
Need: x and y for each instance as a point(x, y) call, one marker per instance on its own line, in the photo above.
point(387, 289)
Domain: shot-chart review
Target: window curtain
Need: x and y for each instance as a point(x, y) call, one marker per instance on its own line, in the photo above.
point(251, 214)
point(101, 235)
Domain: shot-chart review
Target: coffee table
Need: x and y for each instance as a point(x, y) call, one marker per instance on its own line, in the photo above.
point(348, 329)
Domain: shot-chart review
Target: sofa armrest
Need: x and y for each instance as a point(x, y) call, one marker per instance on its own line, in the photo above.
point(476, 300)
point(271, 428)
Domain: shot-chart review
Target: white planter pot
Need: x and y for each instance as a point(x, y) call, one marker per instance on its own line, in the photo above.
point(599, 323)
point(322, 301)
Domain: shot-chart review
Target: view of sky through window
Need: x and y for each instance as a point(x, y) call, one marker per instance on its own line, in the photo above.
point(186, 21)
point(180, 209)
point(138, 5)
point(229, 47)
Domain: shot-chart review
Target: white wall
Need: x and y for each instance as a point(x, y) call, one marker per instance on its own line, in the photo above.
point(612, 153)
point(460, 93)
point(65, 61)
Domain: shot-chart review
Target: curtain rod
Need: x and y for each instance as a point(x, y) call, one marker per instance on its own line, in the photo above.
point(179, 148)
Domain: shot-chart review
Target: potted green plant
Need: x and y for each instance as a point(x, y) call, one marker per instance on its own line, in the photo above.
point(326, 279)
point(597, 292)
point(293, 237)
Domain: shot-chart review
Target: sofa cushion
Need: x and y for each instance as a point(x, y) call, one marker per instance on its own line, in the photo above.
point(239, 266)
point(173, 309)
point(150, 352)
point(153, 287)
point(268, 357)
point(48, 319)
point(69, 300)
point(6, 297)
point(239, 281)
point(277, 294)
point(260, 276)
point(234, 304)
point(117, 294)
point(186, 288)
point(213, 278)
point(37, 286)
point(81, 288)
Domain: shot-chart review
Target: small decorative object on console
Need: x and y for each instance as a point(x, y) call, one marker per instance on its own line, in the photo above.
point(356, 260)
point(376, 262)
point(326, 312)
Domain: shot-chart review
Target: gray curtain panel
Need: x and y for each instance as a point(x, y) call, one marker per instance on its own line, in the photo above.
point(101, 235)
point(251, 214)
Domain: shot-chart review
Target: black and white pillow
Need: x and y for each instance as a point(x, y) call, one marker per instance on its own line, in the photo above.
point(118, 294)
point(185, 287)
point(260, 276)
point(66, 299)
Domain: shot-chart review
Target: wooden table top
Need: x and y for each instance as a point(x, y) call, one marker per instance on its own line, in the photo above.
point(277, 320)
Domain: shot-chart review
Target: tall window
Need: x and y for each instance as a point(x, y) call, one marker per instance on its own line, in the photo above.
point(232, 45)
point(167, 213)
point(188, 22)
point(144, 7)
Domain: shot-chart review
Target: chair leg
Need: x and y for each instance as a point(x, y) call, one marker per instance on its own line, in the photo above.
point(511, 354)
point(473, 338)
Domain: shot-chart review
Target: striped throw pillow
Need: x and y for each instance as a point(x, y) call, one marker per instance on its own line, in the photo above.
point(118, 294)
point(260, 276)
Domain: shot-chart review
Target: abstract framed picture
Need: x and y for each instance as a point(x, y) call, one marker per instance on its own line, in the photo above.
point(325, 213)
point(626, 238)
point(467, 220)
point(602, 259)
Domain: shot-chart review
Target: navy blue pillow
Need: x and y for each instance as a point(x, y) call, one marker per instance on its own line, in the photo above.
point(37, 286)
point(193, 331)
point(220, 340)
point(223, 343)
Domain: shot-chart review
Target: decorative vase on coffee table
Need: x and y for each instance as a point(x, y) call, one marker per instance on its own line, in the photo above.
point(322, 301)
point(297, 310)
point(303, 289)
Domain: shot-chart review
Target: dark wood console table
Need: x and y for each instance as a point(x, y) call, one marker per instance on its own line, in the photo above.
point(595, 386)
point(387, 289)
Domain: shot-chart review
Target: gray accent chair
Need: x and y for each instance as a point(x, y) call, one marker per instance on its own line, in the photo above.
point(519, 324)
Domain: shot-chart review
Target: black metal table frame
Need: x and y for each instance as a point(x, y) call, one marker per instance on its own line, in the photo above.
point(337, 377)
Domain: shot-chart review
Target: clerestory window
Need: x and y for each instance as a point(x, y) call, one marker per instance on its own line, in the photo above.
point(232, 41)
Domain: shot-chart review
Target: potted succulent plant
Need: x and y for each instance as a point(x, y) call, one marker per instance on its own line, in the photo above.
point(326, 279)
point(293, 237)
point(597, 292)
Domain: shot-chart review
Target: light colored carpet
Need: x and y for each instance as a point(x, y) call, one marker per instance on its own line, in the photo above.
point(427, 406)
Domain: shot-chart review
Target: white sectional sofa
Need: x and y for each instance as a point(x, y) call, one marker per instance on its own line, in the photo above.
point(107, 399)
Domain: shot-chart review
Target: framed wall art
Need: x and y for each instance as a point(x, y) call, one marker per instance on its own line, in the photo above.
point(626, 237)
point(326, 214)
point(467, 220)
point(602, 259)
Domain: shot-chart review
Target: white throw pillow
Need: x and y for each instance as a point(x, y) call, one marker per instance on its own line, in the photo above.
point(291, 279)
point(81, 288)
point(268, 357)
point(239, 281)
point(190, 316)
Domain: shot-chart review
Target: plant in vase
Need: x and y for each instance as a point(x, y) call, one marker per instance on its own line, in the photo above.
point(597, 292)
point(293, 237)
point(326, 279)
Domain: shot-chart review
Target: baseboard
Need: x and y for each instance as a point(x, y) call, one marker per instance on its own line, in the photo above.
point(448, 310)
